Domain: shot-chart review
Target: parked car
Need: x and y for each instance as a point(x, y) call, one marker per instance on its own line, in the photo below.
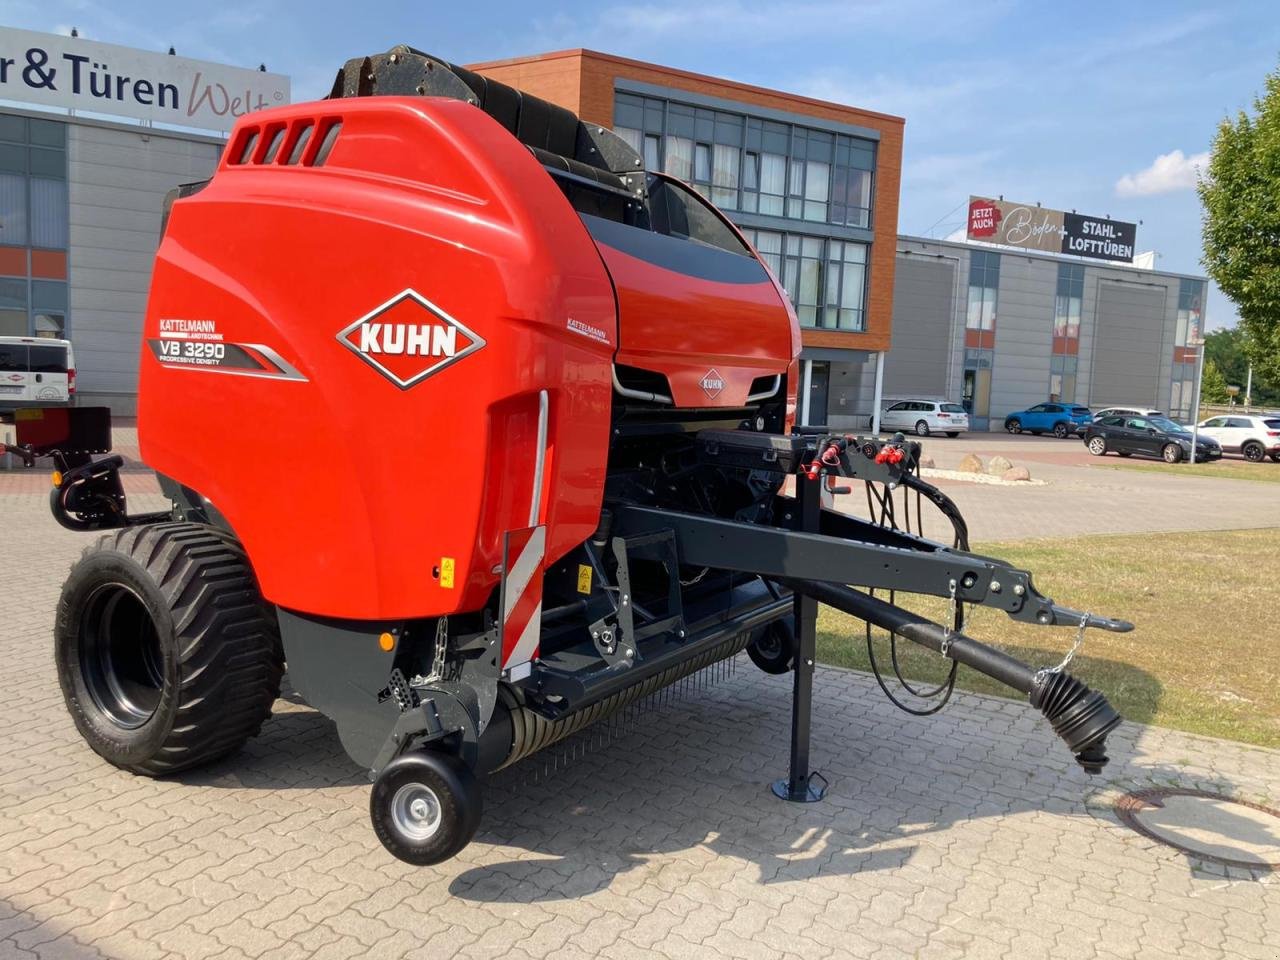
point(923, 417)
point(1249, 435)
point(35, 372)
point(1060, 419)
point(1128, 412)
point(1148, 437)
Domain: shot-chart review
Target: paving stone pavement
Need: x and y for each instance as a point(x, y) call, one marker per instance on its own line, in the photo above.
point(968, 835)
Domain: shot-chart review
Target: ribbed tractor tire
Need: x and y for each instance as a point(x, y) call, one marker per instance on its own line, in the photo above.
point(167, 656)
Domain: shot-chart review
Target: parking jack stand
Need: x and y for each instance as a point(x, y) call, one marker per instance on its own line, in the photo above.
point(799, 785)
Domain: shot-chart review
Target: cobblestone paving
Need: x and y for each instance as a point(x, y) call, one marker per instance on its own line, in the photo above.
point(970, 835)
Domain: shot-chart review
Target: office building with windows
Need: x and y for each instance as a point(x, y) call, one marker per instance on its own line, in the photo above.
point(999, 329)
point(813, 186)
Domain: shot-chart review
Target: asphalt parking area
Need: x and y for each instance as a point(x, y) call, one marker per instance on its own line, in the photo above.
point(972, 834)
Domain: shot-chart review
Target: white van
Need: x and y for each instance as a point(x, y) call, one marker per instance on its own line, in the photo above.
point(35, 372)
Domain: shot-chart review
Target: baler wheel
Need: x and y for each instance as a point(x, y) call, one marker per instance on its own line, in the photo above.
point(425, 806)
point(166, 654)
point(773, 649)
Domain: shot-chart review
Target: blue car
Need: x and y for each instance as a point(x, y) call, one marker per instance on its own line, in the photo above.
point(1060, 419)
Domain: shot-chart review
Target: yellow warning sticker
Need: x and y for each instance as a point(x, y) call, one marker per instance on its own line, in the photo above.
point(584, 578)
point(446, 572)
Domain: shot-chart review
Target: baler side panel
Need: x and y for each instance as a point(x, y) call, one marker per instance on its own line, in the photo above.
point(350, 492)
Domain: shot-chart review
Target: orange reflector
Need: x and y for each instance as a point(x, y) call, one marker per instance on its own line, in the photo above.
point(56, 478)
point(387, 642)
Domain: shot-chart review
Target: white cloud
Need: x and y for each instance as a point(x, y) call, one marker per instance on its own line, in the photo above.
point(1169, 173)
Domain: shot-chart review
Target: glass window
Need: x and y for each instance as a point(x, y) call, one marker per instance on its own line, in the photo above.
point(1066, 310)
point(13, 128)
point(652, 144)
point(1190, 305)
point(679, 158)
point(48, 213)
point(13, 209)
point(724, 176)
point(13, 356)
point(48, 133)
point(984, 284)
point(13, 309)
point(13, 159)
point(49, 163)
point(48, 359)
point(702, 163)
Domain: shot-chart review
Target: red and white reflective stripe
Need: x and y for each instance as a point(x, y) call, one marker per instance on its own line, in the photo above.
point(522, 595)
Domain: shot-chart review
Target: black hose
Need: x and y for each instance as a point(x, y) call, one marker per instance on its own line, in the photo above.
point(1081, 717)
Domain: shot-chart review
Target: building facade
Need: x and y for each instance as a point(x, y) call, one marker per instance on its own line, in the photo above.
point(813, 185)
point(999, 329)
point(80, 205)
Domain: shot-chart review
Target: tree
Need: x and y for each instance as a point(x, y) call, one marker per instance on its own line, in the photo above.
point(1213, 385)
point(1241, 197)
point(1226, 350)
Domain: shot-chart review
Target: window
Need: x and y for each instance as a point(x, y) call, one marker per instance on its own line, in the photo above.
point(50, 359)
point(1039, 408)
point(1239, 423)
point(13, 308)
point(952, 408)
point(1066, 310)
point(1136, 423)
point(759, 166)
point(1062, 377)
point(905, 405)
point(1190, 304)
point(1113, 422)
point(984, 285)
point(1216, 422)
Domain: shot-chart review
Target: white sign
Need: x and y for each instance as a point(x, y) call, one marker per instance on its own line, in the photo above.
point(73, 73)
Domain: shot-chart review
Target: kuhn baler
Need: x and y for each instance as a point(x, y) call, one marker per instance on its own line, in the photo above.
point(486, 431)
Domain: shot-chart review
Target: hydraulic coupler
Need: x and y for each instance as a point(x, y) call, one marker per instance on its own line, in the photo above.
point(1081, 717)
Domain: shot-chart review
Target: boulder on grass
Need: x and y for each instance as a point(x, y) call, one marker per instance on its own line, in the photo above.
point(998, 465)
point(972, 463)
point(1016, 473)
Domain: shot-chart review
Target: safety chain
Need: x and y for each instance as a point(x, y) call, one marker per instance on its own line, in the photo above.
point(949, 630)
point(1044, 673)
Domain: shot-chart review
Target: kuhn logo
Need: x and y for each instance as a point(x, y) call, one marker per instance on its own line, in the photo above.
point(712, 384)
point(408, 338)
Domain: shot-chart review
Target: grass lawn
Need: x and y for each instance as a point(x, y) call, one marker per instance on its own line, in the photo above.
point(1221, 469)
point(1203, 656)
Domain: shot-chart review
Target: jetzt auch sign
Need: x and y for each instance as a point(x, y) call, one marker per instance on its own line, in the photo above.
point(69, 72)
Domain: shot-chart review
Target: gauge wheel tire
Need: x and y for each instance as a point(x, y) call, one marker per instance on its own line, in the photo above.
point(1013, 426)
point(167, 656)
point(773, 649)
point(1253, 452)
point(1061, 431)
point(1098, 446)
point(425, 807)
point(1172, 453)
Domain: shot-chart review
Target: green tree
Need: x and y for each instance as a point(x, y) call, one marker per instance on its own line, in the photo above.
point(1226, 349)
point(1213, 385)
point(1241, 197)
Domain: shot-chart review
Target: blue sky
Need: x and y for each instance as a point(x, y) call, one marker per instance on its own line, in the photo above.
point(1101, 107)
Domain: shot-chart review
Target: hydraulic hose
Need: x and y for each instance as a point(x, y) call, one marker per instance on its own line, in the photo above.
point(1081, 717)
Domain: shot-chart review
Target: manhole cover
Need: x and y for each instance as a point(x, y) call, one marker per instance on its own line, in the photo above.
point(1205, 825)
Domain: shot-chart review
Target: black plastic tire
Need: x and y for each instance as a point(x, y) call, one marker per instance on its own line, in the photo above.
point(1172, 453)
point(1013, 426)
point(425, 807)
point(1061, 431)
point(167, 656)
point(773, 649)
point(1254, 452)
point(922, 428)
point(1275, 457)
